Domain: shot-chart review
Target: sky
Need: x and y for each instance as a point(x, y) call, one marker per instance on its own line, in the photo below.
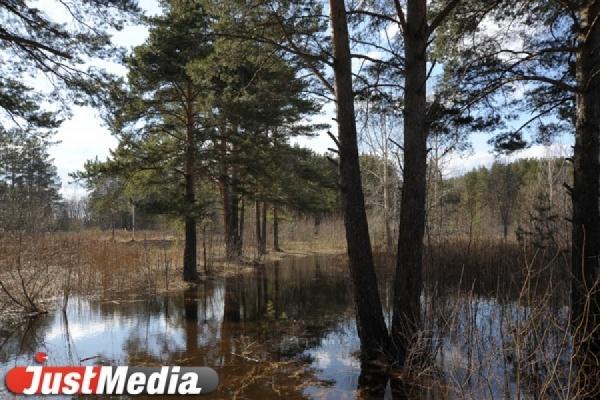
point(83, 136)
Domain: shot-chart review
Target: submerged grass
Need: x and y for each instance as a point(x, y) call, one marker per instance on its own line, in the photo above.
point(36, 269)
point(495, 315)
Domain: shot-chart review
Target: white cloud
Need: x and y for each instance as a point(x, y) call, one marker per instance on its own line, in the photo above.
point(391, 30)
point(482, 157)
point(78, 330)
point(459, 165)
point(83, 137)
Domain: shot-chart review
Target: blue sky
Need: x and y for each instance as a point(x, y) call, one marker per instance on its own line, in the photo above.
point(84, 137)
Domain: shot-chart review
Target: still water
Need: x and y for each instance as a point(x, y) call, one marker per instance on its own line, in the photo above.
point(285, 330)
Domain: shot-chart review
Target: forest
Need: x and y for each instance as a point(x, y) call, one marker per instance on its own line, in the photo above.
point(384, 265)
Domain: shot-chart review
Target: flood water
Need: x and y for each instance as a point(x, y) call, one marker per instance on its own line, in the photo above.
point(283, 331)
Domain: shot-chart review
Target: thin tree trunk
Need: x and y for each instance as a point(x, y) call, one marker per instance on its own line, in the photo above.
point(257, 227)
point(229, 195)
point(276, 229)
point(132, 222)
point(408, 282)
point(204, 258)
point(263, 228)
point(386, 198)
point(112, 226)
point(370, 323)
point(241, 224)
point(190, 272)
point(471, 218)
point(230, 211)
point(586, 216)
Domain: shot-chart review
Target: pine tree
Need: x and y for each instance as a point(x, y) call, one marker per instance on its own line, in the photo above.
point(35, 44)
point(29, 184)
point(554, 64)
point(162, 117)
point(194, 111)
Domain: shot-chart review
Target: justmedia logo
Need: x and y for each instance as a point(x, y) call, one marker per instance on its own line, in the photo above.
point(109, 380)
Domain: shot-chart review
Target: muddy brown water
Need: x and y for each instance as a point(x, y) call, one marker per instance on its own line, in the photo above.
point(286, 330)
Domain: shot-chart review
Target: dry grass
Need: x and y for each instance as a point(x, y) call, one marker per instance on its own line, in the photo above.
point(503, 307)
point(497, 325)
point(38, 268)
point(302, 234)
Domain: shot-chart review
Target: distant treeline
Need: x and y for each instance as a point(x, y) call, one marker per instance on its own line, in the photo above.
point(523, 199)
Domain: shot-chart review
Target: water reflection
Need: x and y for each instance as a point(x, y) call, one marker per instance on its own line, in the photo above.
point(284, 331)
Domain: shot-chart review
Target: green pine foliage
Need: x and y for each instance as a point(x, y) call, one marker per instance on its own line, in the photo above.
point(29, 184)
point(59, 53)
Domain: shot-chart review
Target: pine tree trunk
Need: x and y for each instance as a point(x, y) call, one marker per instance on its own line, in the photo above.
point(408, 281)
point(257, 227)
point(241, 224)
point(190, 271)
point(229, 194)
point(263, 228)
point(586, 216)
point(372, 331)
point(132, 222)
point(276, 229)
point(230, 211)
point(204, 258)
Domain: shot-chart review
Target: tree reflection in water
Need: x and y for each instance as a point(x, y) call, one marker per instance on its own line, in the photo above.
point(282, 331)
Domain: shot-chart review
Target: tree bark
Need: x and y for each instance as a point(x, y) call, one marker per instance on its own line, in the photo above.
point(190, 271)
point(585, 245)
point(257, 227)
point(230, 214)
point(386, 197)
point(408, 281)
point(263, 228)
point(241, 224)
point(370, 323)
point(276, 229)
point(132, 221)
point(230, 198)
point(204, 258)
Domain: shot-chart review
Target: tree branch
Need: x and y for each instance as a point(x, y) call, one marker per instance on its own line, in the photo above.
point(5, 35)
point(555, 82)
point(442, 15)
point(401, 18)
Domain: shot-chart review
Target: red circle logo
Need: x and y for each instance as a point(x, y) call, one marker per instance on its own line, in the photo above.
point(41, 357)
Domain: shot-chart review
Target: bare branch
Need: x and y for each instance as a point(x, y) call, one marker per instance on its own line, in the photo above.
point(401, 18)
point(335, 140)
